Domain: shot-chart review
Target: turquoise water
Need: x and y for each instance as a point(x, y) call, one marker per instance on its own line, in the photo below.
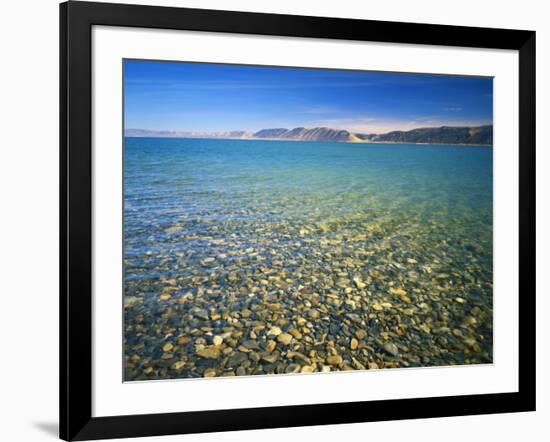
point(213, 220)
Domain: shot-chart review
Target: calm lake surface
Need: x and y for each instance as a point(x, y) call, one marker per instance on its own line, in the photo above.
point(264, 257)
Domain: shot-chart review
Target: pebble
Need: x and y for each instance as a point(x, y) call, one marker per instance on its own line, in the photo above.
point(274, 331)
point(270, 345)
point(358, 283)
point(130, 301)
point(178, 365)
point(424, 328)
point(202, 314)
point(334, 360)
point(284, 338)
point(390, 348)
point(401, 294)
point(209, 353)
point(237, 359)
point(397, 291)
point(251, 344)
point(292, 368)
point(209, 373)
point(313, 313)
point(271, 358)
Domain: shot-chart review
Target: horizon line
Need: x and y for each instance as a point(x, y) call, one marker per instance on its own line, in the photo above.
point(306, 128)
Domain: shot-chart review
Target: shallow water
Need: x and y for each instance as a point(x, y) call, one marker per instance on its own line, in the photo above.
point(365, 255)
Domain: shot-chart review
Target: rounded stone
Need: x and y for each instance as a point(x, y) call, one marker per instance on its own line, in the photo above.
point(334, 360)
point(284, 338)
point(209, 373)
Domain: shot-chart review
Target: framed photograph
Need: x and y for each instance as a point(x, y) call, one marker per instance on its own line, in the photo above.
point(272, 220)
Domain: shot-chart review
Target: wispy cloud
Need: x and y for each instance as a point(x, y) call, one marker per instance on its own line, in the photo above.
point(382, 125)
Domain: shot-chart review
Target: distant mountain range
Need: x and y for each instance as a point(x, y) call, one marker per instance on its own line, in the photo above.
point(443, 135)
point(480, 135)
point(303, 134)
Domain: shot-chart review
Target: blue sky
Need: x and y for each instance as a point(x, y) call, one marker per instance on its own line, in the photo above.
point(216, 97)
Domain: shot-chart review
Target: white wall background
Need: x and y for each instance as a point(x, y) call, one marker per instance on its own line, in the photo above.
point(29, 217)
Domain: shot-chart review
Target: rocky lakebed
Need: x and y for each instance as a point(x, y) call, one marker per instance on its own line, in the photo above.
point(356, 294)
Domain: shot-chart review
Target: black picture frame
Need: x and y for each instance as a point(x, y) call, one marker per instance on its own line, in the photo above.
point(76, 21)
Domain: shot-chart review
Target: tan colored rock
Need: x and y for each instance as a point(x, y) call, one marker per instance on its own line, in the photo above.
point(401, 294)
point(274, 331)
point(296, 333)
point(358, 283)
point(334, 360)
point(209, 373)
point(313, 313)
point(270, 346)
point(424, 328)
point(182, 340)
point(209, 353)
point(178, 365)
point(284, 338)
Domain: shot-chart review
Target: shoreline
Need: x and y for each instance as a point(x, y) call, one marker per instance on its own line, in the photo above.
point(317, 141)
